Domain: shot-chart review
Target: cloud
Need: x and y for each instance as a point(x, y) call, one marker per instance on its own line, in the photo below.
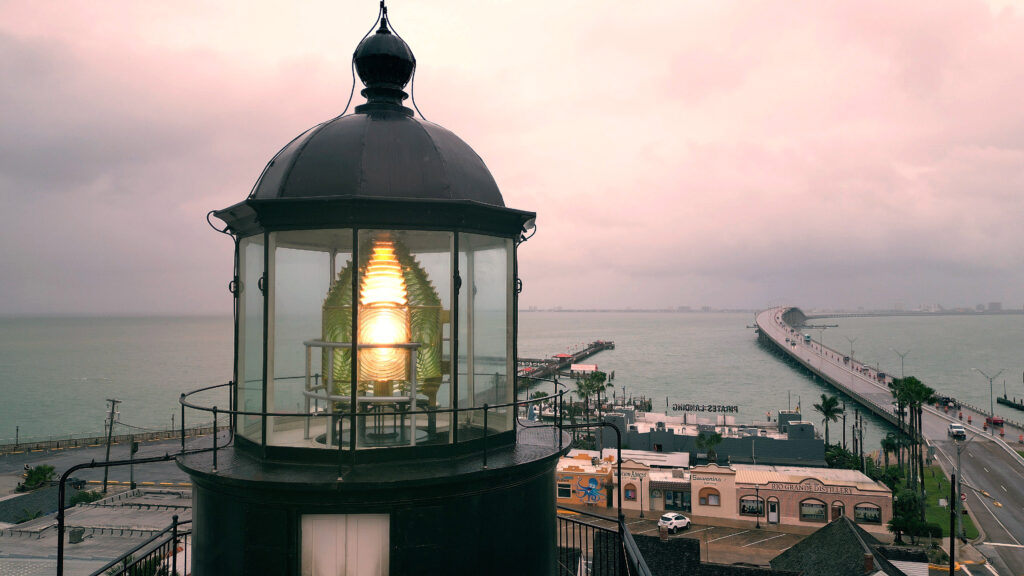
point(721, 153)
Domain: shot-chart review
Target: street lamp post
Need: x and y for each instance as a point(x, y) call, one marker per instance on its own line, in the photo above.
point(991, 401)
point(641, 496)
point(757, 496)
point(901, 355)
point(851, 341)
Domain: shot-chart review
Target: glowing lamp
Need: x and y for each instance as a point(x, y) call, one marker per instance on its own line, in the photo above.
point(383, 316)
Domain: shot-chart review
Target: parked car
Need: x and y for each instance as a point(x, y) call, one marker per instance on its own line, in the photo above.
point(674, 522)
point(996, 421)
point(957, 431)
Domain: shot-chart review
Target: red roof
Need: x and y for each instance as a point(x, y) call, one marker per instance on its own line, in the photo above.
point(563, 356)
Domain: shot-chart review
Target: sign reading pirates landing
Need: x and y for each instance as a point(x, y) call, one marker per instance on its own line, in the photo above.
point(809, 485)
point(719, 408)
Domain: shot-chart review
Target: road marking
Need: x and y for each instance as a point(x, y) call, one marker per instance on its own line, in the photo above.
point(1006, 545)
point(1003, 487)
point(991, 569)
point(167, 483)
point(765, 540)
point(964, 568)
point(37, 450)
point(701, 530)
point(971, 455)
point(148, 483)
point(729, 536)
point(985, 469)
point(989, 510)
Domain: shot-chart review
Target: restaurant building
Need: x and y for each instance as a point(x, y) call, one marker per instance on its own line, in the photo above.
point(784, 495)
point(583, 478)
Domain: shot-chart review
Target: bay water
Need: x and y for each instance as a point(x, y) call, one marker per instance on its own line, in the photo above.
point(56, 373)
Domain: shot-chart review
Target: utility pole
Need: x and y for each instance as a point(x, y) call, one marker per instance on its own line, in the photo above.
point(844, 425)
point(856, 420)
point(110, 433)
point(952, 512)
point(863, 468)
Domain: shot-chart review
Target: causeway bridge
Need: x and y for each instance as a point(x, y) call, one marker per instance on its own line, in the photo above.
point(992, 471)
point(779, 328)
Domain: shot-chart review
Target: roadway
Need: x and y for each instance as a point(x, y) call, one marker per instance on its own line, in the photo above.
point(156, 474)
point(988, 464)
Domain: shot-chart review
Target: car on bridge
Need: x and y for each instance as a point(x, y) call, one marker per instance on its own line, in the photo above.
point(956, 431)
point(995, 421)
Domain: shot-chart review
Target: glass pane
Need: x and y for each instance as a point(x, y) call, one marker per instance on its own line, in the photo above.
point(812, 511)
point(484, 331)
point(302, 267)
point(250, 333)
point(404, 308)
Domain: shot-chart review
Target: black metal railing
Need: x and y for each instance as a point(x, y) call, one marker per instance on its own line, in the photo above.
point(593, 545)
point(166, 553)
point(589, 544)
point(481, 414)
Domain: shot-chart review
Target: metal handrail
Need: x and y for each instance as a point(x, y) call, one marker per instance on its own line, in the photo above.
point(353, 415)
point(174, 529)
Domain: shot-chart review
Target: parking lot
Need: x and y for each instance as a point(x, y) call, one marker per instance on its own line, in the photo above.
point(719, 544)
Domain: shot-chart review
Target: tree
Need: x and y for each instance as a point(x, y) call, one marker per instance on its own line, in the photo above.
point(889, 446)
point(917, 395)
point(706, 442)
point(830, 410)
point(899, 393)
point(905, 517)
point(590, 384)
point(37, 477)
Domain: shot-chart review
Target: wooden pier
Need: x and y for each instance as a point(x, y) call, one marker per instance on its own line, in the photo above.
point(548, 367)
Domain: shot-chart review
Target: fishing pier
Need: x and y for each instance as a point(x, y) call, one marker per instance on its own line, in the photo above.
point(549, 367)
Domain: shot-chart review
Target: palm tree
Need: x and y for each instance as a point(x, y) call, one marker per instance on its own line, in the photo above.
point(591, 383)
point(889, 445)
point(899, 392)
point(706, 442)
point(918, 394)
point(830, 411)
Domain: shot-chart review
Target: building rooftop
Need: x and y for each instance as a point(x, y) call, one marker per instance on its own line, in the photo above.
point(761, 474)
point(841, 548)
point(653, 459)
point(690, 425)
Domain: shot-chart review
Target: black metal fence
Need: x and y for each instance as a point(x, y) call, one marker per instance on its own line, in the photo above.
point(165, 554)
point(592, 545)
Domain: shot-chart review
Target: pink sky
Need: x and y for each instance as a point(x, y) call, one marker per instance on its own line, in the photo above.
point(731, 154)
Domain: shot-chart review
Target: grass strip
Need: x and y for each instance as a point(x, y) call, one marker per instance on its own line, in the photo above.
point(936, 486)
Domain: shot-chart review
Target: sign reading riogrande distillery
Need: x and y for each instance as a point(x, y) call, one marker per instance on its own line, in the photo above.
point(809, 487)
point(725, 408)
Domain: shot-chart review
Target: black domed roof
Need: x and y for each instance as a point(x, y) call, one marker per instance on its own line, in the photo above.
point(378, 154)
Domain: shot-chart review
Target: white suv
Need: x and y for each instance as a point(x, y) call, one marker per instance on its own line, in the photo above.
point(957, 431)
point(674, 522)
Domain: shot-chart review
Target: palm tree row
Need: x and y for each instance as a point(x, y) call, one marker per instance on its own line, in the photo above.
point(591, 384)
point(911, 395)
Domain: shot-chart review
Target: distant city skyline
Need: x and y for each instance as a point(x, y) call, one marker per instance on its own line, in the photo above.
point(721, 154)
